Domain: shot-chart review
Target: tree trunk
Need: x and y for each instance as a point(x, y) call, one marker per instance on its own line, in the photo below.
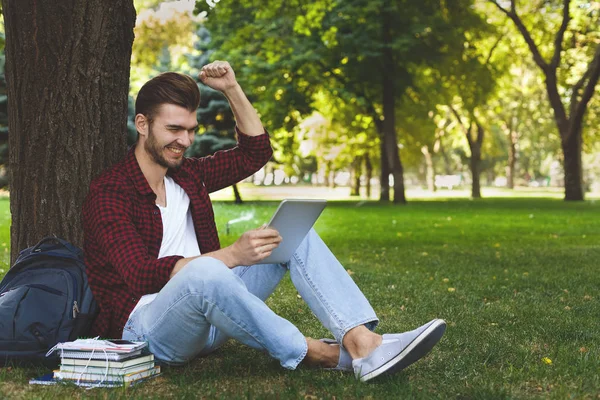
point(430, 173)
point(330, 175)
point(369, 172)
point(384, 179)
point(356, 173)
point(512, 158)
point(570, 133)
point(475, 162)
point(67, 68)
point(389, 106)
point(236, 194)
point(573, 166)
point(475, 147)
point(475, 174)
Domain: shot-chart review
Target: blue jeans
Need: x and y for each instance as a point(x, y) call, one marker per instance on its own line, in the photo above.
point(207, 303)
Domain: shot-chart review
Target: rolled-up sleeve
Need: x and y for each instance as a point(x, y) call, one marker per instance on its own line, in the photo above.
point(227, 167)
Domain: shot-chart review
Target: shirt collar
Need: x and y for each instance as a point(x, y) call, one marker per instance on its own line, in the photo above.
point(135, 173)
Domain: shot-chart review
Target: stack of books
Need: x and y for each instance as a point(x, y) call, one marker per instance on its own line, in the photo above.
point(103, 363)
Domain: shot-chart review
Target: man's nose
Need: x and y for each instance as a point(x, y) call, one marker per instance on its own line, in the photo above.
point(184, 139)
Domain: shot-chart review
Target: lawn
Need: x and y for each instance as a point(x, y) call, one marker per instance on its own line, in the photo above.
point(515, 278)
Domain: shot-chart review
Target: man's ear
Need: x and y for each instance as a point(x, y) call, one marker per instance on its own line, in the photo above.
point(142, 125)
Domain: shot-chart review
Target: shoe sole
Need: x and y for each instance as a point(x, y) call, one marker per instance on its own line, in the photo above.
point(416, 350)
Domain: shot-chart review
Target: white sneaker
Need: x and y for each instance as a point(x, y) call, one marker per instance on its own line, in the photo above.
point(398, 351)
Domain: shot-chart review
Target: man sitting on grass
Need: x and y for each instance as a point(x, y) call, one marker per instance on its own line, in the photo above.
point(156, 268)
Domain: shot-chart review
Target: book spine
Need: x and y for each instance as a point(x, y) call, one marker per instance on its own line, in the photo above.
point(112, 364)
point(102, 370)
point(86, 377)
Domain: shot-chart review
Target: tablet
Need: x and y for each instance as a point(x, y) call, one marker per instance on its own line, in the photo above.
point(293, 220)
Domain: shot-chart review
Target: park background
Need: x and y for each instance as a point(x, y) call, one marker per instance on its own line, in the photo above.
point(439, 131)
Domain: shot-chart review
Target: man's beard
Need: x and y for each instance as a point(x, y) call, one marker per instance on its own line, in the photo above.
point(156, 152)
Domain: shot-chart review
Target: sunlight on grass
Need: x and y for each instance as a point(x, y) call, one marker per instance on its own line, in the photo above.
point(252, 192)
point(515, 278)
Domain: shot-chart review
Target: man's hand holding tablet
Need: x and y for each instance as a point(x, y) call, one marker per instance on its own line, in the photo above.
point(253, 246)
point(293, 219)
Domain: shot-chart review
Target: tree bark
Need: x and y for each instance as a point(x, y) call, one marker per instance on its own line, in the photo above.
point(389, 106)
point(67, 68)
point(571, 148)
point(369, 172)
point(475, 162)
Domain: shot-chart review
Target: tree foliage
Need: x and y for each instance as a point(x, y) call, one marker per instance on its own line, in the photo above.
point(355, 50)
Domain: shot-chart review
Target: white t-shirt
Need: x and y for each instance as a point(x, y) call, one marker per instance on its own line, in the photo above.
point(179, 236)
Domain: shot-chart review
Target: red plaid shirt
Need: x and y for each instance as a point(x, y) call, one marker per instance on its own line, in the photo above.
point(123, 226)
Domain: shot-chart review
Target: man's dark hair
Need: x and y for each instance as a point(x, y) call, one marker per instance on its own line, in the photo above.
point(167, 88)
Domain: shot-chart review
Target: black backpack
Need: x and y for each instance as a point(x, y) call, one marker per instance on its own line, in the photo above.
point(44, 299)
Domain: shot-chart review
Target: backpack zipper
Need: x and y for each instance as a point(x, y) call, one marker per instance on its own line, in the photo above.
point(76, 293)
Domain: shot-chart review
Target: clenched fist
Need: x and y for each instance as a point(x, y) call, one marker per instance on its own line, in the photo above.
point(218, 75)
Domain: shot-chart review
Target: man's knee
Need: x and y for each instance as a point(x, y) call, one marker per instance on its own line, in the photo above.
point(209, 273)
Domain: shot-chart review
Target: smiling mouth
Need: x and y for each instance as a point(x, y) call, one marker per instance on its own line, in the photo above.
point(176, 150)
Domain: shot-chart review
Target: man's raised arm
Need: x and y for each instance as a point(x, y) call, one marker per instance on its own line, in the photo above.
point(219, 76)
point(227, 167)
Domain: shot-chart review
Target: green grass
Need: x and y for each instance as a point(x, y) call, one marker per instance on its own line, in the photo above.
point(4, 234)
point(516, 279)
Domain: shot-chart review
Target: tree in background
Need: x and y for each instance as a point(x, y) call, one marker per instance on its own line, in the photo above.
point(418, 133)
point(470, 80)
point(164, 35)
point(527, 128)
point(569, 117)
point(67, 69)
point(343, 139)
point(362, 50)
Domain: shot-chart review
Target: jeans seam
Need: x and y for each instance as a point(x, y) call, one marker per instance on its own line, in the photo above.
point(302, 356)
point(246, 268)
point(318, 293)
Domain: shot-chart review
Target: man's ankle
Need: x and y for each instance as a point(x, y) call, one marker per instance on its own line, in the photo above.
point(321, 354)
point(360, 342)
